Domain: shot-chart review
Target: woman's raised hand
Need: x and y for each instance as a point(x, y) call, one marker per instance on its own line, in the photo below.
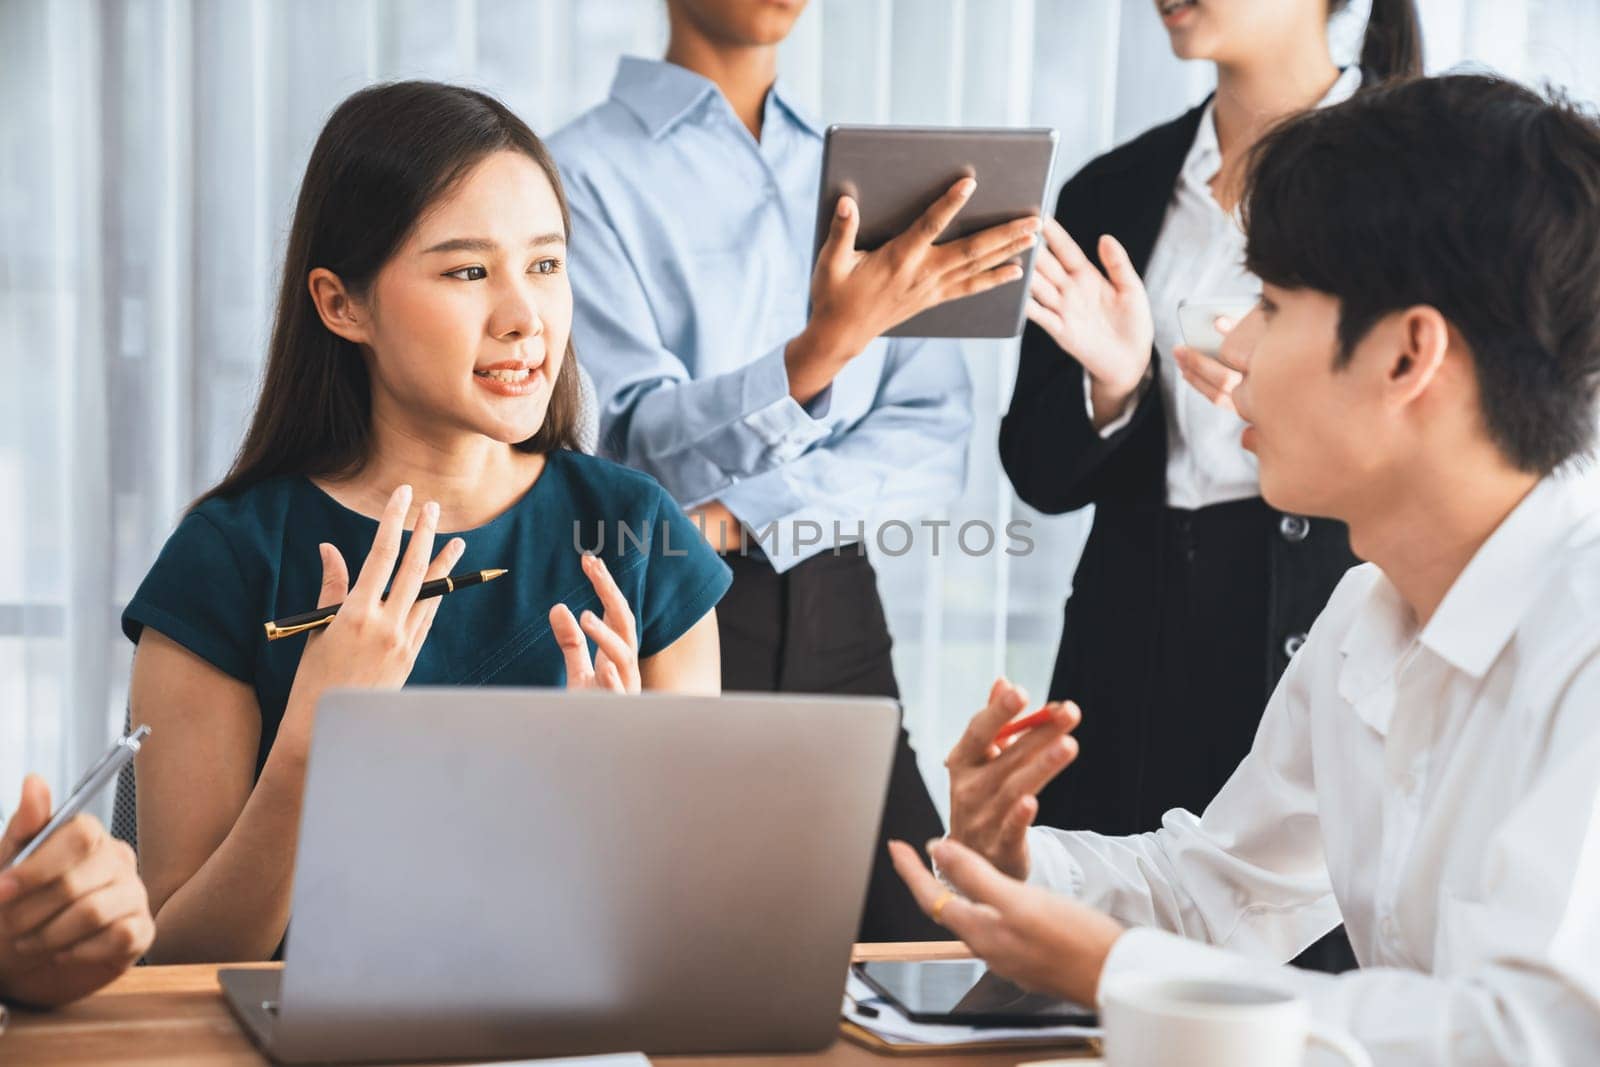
point(616, 662)
point(374, 640)
point(1101, 320)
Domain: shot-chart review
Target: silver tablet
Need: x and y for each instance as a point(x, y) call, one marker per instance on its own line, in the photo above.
point(895, 172)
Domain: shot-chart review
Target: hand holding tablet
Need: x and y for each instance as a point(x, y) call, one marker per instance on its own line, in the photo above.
point(955, 212)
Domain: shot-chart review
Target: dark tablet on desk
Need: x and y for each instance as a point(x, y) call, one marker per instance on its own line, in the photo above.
point(895, 172)
point(963, 992)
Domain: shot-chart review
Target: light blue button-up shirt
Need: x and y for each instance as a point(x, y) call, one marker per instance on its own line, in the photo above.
point(691, 269)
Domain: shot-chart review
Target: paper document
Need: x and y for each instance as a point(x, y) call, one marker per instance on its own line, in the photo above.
point(891, 1024)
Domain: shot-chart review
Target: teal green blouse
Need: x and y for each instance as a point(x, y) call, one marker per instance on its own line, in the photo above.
point(233, 564)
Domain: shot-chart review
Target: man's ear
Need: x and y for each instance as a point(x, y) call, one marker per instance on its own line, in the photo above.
point(1423, 337)
point(340, 311)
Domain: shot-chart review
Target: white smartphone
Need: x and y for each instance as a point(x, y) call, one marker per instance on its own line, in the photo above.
point(1197, 321)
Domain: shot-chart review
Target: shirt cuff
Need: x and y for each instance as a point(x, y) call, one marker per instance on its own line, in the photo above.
point(1125, 416)
point(780, 421)
point(818, 406)
point(1051, 864)
point(778, 519)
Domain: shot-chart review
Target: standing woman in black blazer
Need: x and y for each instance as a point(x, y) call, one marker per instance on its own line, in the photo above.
point(1192, 593)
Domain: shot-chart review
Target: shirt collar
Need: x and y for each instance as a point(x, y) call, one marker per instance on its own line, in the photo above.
point(1205, 155)
point(659, 93)
point(1484, 606)
point(1378, 640)
point(801, 117)
point(662, 94)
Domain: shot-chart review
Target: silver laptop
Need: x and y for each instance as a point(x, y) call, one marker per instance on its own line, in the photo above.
point(511, 873)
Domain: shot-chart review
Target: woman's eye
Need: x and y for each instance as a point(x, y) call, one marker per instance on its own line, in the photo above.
point(468, 274)
point(546, 266)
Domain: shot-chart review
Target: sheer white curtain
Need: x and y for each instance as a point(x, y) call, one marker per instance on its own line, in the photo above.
point(149, 155)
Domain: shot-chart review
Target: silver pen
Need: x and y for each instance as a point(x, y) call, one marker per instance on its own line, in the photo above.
point(105, 770)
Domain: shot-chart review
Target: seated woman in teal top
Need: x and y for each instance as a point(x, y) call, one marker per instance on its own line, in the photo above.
point(419, 379)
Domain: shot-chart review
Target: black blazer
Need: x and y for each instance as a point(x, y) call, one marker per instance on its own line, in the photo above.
point(1058, 462)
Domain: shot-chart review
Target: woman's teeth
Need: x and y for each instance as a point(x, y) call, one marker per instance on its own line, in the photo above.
point(505, 375)
point(1174, 5)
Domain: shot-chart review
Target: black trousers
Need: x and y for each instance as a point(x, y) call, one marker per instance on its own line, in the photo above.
point(820, 628)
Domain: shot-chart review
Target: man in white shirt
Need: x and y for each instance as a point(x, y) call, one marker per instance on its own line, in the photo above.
point(1424, 365)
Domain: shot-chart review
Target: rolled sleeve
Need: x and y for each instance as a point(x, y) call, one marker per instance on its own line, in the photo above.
point(773, 428)
point(904, 458)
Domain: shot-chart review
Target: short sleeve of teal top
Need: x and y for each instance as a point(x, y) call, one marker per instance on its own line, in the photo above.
point(232, 564)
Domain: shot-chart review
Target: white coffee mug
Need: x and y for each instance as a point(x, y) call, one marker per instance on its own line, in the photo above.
point(1205, 1022)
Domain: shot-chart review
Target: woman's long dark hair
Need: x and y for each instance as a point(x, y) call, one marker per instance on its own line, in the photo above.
point(1392, 47)
point(386, 154)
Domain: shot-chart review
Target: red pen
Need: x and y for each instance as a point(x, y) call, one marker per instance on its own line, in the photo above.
point(1016, 726)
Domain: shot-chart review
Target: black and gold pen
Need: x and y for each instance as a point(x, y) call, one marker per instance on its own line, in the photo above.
point(311, 620)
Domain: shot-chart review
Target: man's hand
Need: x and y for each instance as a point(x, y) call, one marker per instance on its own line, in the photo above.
point(993, 787)
point(1040, 940)
point(856, 296)
point(73, 915)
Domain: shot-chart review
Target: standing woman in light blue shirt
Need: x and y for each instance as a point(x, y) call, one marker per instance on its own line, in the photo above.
point(693, 191)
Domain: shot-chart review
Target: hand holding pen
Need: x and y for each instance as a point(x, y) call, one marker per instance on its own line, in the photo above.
point(73, 912)
point(373, 641)
point(307, 621)
point(994, 780)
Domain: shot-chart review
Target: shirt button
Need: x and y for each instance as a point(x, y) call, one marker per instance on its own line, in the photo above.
point(1389, 929)
point(1293, 643)
point(1294, 528)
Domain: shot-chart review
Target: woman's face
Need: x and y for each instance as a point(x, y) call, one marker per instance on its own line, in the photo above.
point(468, 321)
point(1236, 31)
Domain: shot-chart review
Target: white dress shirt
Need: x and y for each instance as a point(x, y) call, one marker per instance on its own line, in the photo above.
point(1199, 256)
point(1437, 789)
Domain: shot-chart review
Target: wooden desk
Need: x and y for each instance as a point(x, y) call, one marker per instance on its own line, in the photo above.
point(175, 1017)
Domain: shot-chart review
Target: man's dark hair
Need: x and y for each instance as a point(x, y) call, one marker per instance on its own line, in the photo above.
point(1468, 193)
